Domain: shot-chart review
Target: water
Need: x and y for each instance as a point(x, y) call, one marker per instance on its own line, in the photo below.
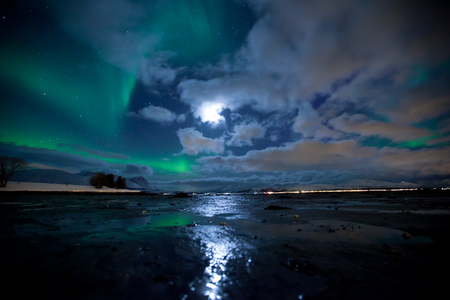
point(213, 247)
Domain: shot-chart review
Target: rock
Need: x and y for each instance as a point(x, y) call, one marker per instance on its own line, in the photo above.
point(276, 207)
point(162, 278)
point(414, 231)
point(54, 229)
point(181, 195)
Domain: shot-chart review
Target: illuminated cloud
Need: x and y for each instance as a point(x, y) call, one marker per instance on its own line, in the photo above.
point(306, 155)
point(194, 142)
point(343, 156)
point(243, 134)
point(361, 125)
point(210, 112)
point(157, 114)
point(309, 124)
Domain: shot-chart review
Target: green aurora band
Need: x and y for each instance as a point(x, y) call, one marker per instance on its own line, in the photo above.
point(62, 91)
point(83, 106)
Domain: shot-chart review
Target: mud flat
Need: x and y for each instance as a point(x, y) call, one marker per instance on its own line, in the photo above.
point(334, 246)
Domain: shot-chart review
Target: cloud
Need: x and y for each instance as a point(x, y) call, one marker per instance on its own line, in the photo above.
point(181, 118)
point(158, 114)
point(244, 133)
point(112, 28)
point(441, 140)
point(306, 155)
point(210, 112)
point(360, 124)
point(426, 101)
point(422, 162)
point(53, 158)
point(359, 52)
point(310, 125)
point(344, 156)
point(137, 169)
point(194, 142)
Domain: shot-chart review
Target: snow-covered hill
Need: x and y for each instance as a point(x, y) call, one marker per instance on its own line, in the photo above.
point(141, 181)
point(81, 178)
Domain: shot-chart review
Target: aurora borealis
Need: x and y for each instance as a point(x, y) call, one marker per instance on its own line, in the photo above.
point(202, 94)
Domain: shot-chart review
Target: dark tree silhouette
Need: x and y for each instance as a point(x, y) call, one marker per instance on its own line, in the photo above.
point(98, 180)
point(8, 166)
point(110, 181)
point(101, 179)
point(121, 183)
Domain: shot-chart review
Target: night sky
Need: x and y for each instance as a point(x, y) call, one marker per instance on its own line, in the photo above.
point(202, 94)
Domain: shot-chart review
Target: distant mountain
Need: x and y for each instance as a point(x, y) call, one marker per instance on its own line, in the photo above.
point(50, 176)
point(369, 183)
point(81, 178)
point(141, 181)
point(86, 173)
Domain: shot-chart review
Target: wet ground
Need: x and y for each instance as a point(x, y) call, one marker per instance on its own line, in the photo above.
point(315, 246)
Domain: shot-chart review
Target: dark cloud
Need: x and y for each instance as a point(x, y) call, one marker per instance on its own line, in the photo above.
point(137, 169)
point(78, 148)
point(53, 158)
